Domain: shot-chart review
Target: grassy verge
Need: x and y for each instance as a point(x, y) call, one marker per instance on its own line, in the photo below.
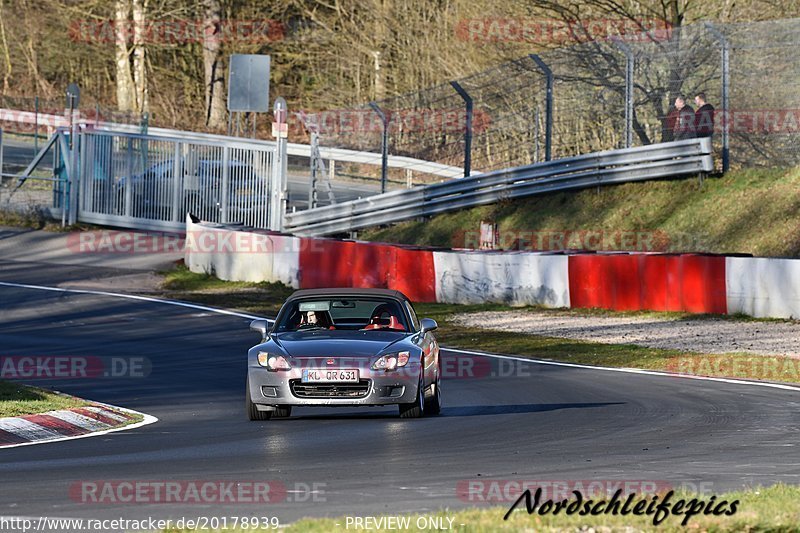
point(17, 399)
point(266, 298)
point(771, 509)
point(747, 211)
point(261, 298)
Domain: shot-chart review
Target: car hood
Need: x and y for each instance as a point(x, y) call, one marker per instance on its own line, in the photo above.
point(337, 343)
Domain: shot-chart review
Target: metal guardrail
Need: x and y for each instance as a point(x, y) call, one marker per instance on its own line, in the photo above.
point(654, 161)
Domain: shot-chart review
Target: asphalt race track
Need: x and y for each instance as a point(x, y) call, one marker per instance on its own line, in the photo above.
point(538, 423)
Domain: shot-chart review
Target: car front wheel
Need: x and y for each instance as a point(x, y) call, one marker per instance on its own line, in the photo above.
point(416, 409)
point(252, 411)
point(433, 405)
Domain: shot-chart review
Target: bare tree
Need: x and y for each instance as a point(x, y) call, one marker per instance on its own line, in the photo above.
point(126, 99)
point(139, 72)
point(213, 65)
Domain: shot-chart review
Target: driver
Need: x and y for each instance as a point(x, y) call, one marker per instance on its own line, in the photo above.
point(316, 318)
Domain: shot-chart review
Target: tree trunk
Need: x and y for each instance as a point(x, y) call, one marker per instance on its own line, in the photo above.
point(6, 54)
point(213, 65)
point(139, 73)
point(125, 94)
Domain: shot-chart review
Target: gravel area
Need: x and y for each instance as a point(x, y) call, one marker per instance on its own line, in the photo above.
point(713, 336)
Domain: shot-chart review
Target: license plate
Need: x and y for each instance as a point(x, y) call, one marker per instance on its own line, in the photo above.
point(334, 375)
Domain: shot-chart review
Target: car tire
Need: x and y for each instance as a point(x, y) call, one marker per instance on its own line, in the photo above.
point(252, 411)
point(416, 409)
point(433, 405)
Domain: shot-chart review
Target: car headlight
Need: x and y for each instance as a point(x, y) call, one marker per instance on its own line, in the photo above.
point(273, 362)
point(391, 361)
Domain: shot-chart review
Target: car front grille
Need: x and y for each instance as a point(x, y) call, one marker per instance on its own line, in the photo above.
point(330, 390)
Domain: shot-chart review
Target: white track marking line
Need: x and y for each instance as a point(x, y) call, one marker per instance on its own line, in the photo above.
point(135, 297)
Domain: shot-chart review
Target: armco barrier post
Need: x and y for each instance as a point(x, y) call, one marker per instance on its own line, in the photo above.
point(629, 63)
point(548, 109)
point(468, 131)
point(726, 83)
point(384, 144)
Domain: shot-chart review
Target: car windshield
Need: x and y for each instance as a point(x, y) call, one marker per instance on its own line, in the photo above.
point(367, 314)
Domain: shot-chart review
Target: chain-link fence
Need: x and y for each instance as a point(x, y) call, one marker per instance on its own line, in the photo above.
point(606, 93)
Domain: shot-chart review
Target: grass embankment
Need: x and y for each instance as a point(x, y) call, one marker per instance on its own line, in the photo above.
point(755, 211)
point(773, 509)
point(17, 399)
point(265, 299)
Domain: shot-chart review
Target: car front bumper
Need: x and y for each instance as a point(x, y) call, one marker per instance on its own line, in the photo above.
point(375, 387)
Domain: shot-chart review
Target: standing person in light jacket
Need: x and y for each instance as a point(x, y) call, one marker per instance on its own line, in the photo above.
point(703, 117)
point(684, 126)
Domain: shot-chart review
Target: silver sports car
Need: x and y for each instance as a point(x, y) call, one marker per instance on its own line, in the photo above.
point(344, 347)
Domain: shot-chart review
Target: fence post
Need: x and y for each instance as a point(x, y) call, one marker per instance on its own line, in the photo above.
point(548, 107)
point(74, 178)
point(726, 83)
point(312, 186)
point(225, 185)
point(177, 184)
point(384, 144)
point(629, 63)
point(468, 132)
point(36, 125)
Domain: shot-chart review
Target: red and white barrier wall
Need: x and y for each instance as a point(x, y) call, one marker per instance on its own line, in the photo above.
point(693, 283)
point(508, 277)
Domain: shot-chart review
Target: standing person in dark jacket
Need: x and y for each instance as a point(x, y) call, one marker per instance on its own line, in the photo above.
point(669, 125)
point(703, 117)
point(684, 126)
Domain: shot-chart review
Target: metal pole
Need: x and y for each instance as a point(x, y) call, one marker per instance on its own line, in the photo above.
point(629, 60)
point(536, 135)
point(1, 155)
point(726, 83)
point(36, 126)
point(468, 132)
point(548, 109)
point(74, 178)
point(279, 192)
point(225, 186)
point(312, 186)
point(283, 165)
point(384, 145)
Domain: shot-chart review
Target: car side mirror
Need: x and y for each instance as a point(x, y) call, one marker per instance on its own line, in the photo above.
point(428, 324)
point(260, 325)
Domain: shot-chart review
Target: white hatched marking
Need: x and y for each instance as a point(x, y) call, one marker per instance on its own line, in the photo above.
point(27, 430)
point(106, 413)
point(77, 419)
